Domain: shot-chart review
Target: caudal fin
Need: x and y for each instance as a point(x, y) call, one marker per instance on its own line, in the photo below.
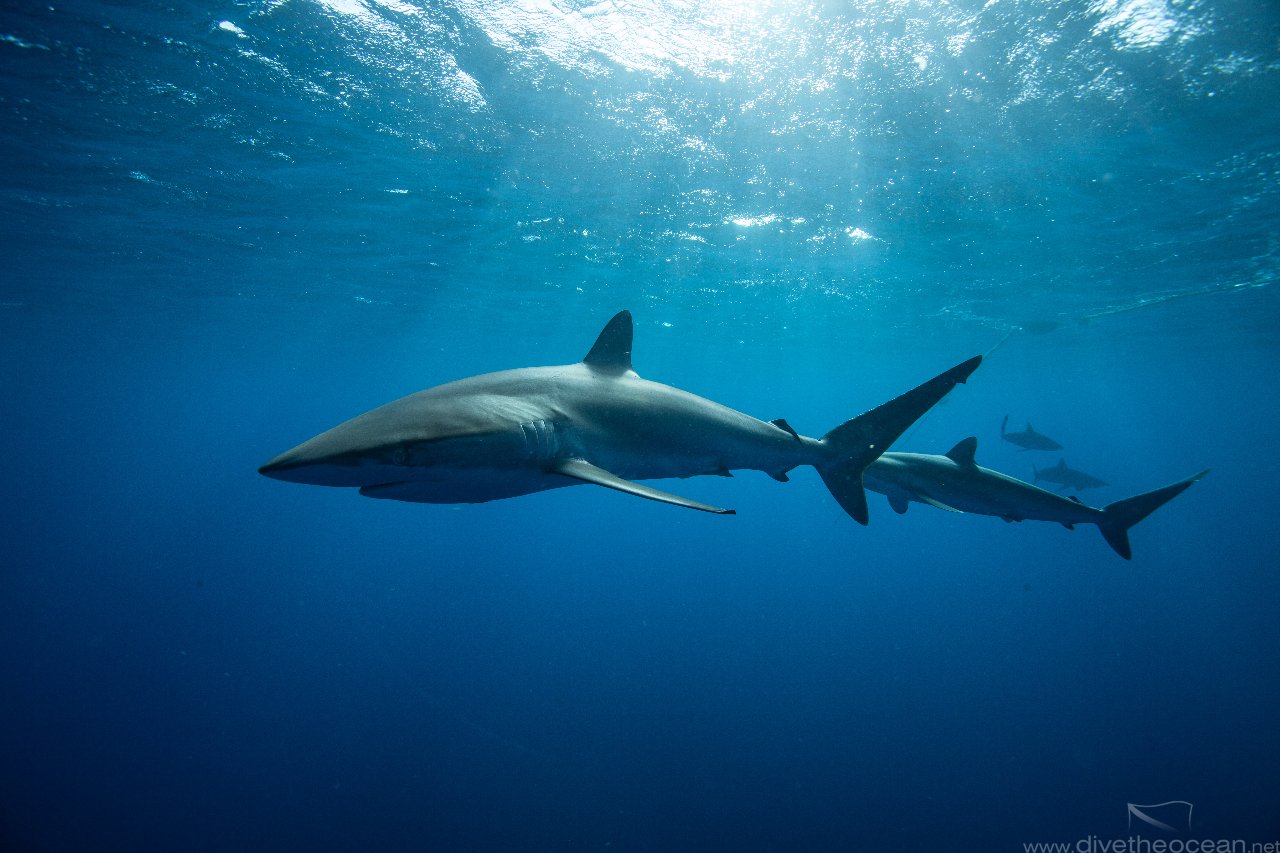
point(1121, 515)
point(857, 443)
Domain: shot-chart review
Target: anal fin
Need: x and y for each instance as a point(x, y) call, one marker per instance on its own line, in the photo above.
point(581, 469)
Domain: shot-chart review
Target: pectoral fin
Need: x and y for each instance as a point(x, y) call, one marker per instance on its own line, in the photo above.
point(939, 504)
point(581, 469)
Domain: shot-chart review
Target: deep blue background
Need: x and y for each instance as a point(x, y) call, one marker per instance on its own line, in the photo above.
point(218, 243)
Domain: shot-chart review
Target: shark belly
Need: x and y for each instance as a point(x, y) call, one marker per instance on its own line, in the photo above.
point(470, 485)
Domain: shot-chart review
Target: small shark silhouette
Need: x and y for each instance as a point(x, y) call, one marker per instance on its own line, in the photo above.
point(516, 432)
point(1067, 477)
point(1028, 439)
point(956, 483)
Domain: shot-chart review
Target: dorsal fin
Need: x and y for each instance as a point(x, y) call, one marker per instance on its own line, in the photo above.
point(963, 452)
point(612, 350)
point(1076, 499)
point(781, 423)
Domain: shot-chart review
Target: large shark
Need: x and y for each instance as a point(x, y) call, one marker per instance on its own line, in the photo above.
point(955, 482)
point(499, 435)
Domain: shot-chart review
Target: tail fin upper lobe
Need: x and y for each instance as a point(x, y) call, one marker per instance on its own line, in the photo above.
point(1121, 515)
point(857, 443)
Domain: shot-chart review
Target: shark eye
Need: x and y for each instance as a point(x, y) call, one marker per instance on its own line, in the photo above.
point(399, 456)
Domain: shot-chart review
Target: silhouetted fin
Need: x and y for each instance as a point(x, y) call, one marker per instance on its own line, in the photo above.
point(581, 469)
point(898, 503)
point(857, 443)
point(612, 350)
point(780, 476)
point(782, 423)
point(1118, 517)
point(963, 452)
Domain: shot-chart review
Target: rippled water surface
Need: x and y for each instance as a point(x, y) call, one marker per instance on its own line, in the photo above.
point(228, 227)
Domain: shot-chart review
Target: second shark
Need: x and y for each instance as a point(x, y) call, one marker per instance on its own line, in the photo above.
point(957, 483)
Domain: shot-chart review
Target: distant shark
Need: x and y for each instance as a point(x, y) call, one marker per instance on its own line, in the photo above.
point(1069, 478)
point(499, 435)
point(1028, 439)
point(955, 482)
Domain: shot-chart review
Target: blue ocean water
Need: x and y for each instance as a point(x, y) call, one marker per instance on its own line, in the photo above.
point(227, 227)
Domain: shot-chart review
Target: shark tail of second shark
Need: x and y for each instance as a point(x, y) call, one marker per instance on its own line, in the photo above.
point(857, 443)
point(1118, 517)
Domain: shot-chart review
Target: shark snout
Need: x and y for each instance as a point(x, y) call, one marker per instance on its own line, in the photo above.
point(286, 466)
point(318, 464)
point(314, 465)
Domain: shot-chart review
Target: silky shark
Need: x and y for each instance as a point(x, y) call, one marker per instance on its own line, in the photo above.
point(1067, 477)
point(955, 482)
point(499, 435)
point(1028, 439)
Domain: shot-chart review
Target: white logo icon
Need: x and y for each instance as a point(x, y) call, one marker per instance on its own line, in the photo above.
point(1173, 816)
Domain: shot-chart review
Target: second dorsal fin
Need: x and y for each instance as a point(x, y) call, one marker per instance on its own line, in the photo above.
point(963, 452)
point(611, 353)
point(781, 423)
